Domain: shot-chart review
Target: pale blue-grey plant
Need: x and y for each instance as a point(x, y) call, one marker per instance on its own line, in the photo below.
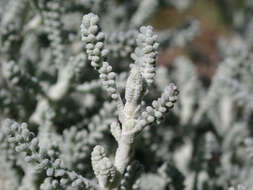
point(72, 89)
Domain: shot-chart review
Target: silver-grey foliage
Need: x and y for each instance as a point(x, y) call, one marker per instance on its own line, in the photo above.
point(94, 101)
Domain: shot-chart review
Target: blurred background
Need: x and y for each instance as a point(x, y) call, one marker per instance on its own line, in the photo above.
point(218, 19)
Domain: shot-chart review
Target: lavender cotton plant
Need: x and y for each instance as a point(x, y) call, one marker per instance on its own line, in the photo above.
point(133, 116)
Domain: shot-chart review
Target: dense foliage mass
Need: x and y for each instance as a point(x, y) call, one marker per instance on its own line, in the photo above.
point(84, 104)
